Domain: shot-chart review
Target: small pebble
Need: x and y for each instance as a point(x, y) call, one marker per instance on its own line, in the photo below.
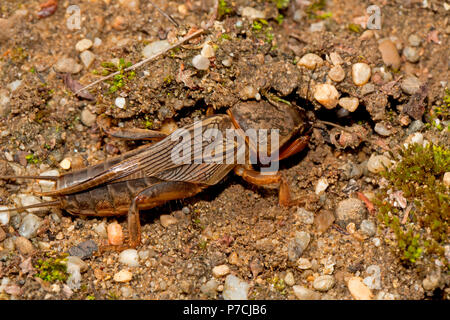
point(83, 45)
point(123, 276)
point(115, 234)
point(410, 85)
point(24, 245)
point(358, 289)
point(65, 164)
point(48, 185)
point(414, 40)
point(74, 260)
point(305, 216)
point(326, 95)
point(67, 65)
point(87, 57)
point(376, 242)
point(310, 61)
point(416, 125)
point(119, 23)
point(100, 229)
point(28, 200)
point(321, 186)
point(167, 220)
point(235, 288)
point(227, 62)
point(84, 249)
point(129, 257)
point(446, 180)
point(248, 92)
point(252, 13)
point(298, 245)
point(324, 220)
point(377, 164)
point(289, 278)
point(349, 103)
point(381, 129)
point(4, 216)
point(303, 293)
point(97, 42)
point(350, 210)
point(336, 73)
point(74, 280)
point(155, 48)
point(130, 4)
point(120, 102)
point(367, 88)
point(210, 288)
point(411, 54)
point(389, 54)
point(368, 228)
point(317, 27)
point(88, 118)
point(29, 226)
point(336, 59)
point(200, 62)
point(207, 51)
point(361, 73)
point(299, 15)
point(324, 283)
point(304, 264)
point(220, 271)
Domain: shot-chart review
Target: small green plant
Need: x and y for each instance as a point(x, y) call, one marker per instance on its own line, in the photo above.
point(279, 18)
point(315, 10)
point(278, 284)
point(281, 4)
point(223, 9)
point(118, 80)
point(353, 27)
point(261, 26)
point(418, 176)
point(32, 159)
point(52, 269)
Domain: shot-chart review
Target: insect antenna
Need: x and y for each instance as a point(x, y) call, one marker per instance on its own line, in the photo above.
point(37, 205)
point(30, 177)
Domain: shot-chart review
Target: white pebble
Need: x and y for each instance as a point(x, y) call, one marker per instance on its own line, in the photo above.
point(123, 276)
point(377, 163)
point(336, 58)
point(120, 102)
point(207, 51)
point(28, 200)
point(129, 257)
point(374, 280)
point(326, 95)
point(220, 271)
point(304, 264)
point(324, 283)
point(67, 65)
point(74, 280)
point(361, 73)
point(155, 48)
point(321, 185)
point(349, 103)
point(235, 288)
point(100, 229)
point(336, 73)
point(83, 45)
point(252, 13)
point(48, 185)
point(304, 293)
point(289, 279)
point(4, 216)
point(97, 42)
point(376, 242)
point(65, 164)
point(29, 226)
point(87, 58)
point(74, 262)
point(358, 289)
point(310, 61)
point(446, 179)
point(200, 62)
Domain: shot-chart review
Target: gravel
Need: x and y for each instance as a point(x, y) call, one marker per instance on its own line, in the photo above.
point(24, 245)
point(368, 228)
point(4, 216)
point(303, 293)
point(67, 65)
point(289, 278)
point(304, 264)
point(326, 95)
point(221, 271)
point(200, 62)
point(13, 86)
point(123, 276)
point(358, 289)
point(411, 54)
point(410, 85)
point(324, 283)
point(414, 40)
point(378, 163)
point(207, 51)
point(350, 210)
point(310, 61)
point(76, 262)
point(84, 250)
point(373, 281)
point(87, 57)
point(389, 54)
point(382, 130)
point(210, 288)
point(305, 216)
point(29, 226)
point(129, 257)
point(154, 48)
point(88, 118)
point(361, 73)
point(235, 288)
point(336, 73)
point(349, 103)
point(298, 245)
point(167, 220)
point(83, 44)
point(120, 102)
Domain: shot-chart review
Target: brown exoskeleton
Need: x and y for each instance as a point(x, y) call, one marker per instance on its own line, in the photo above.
point(148, 176)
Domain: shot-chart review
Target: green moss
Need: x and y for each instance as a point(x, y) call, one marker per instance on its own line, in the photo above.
point(223, 9)
point(440, 112)
point(278, 284)
point(33, 159)
point(280, 18)
point(53, 268)
point(419, 176)
point(119, 80)
point(353, 27)
point(281, 4)
point(315, 10)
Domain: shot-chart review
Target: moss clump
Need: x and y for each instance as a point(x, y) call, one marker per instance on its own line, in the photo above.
point(440, 112)
point(281, 4)
point(53, 268)
point(419, 176)
point(223, 9)
point(261, 28)
point(118, 81)
point(278, 284)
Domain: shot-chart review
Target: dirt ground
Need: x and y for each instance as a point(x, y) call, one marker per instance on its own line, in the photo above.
point(257, 56)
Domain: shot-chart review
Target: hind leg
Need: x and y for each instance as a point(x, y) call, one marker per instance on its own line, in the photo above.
point(149, 198)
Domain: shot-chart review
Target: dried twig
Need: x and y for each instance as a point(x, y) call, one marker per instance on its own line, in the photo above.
point(168, 16)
